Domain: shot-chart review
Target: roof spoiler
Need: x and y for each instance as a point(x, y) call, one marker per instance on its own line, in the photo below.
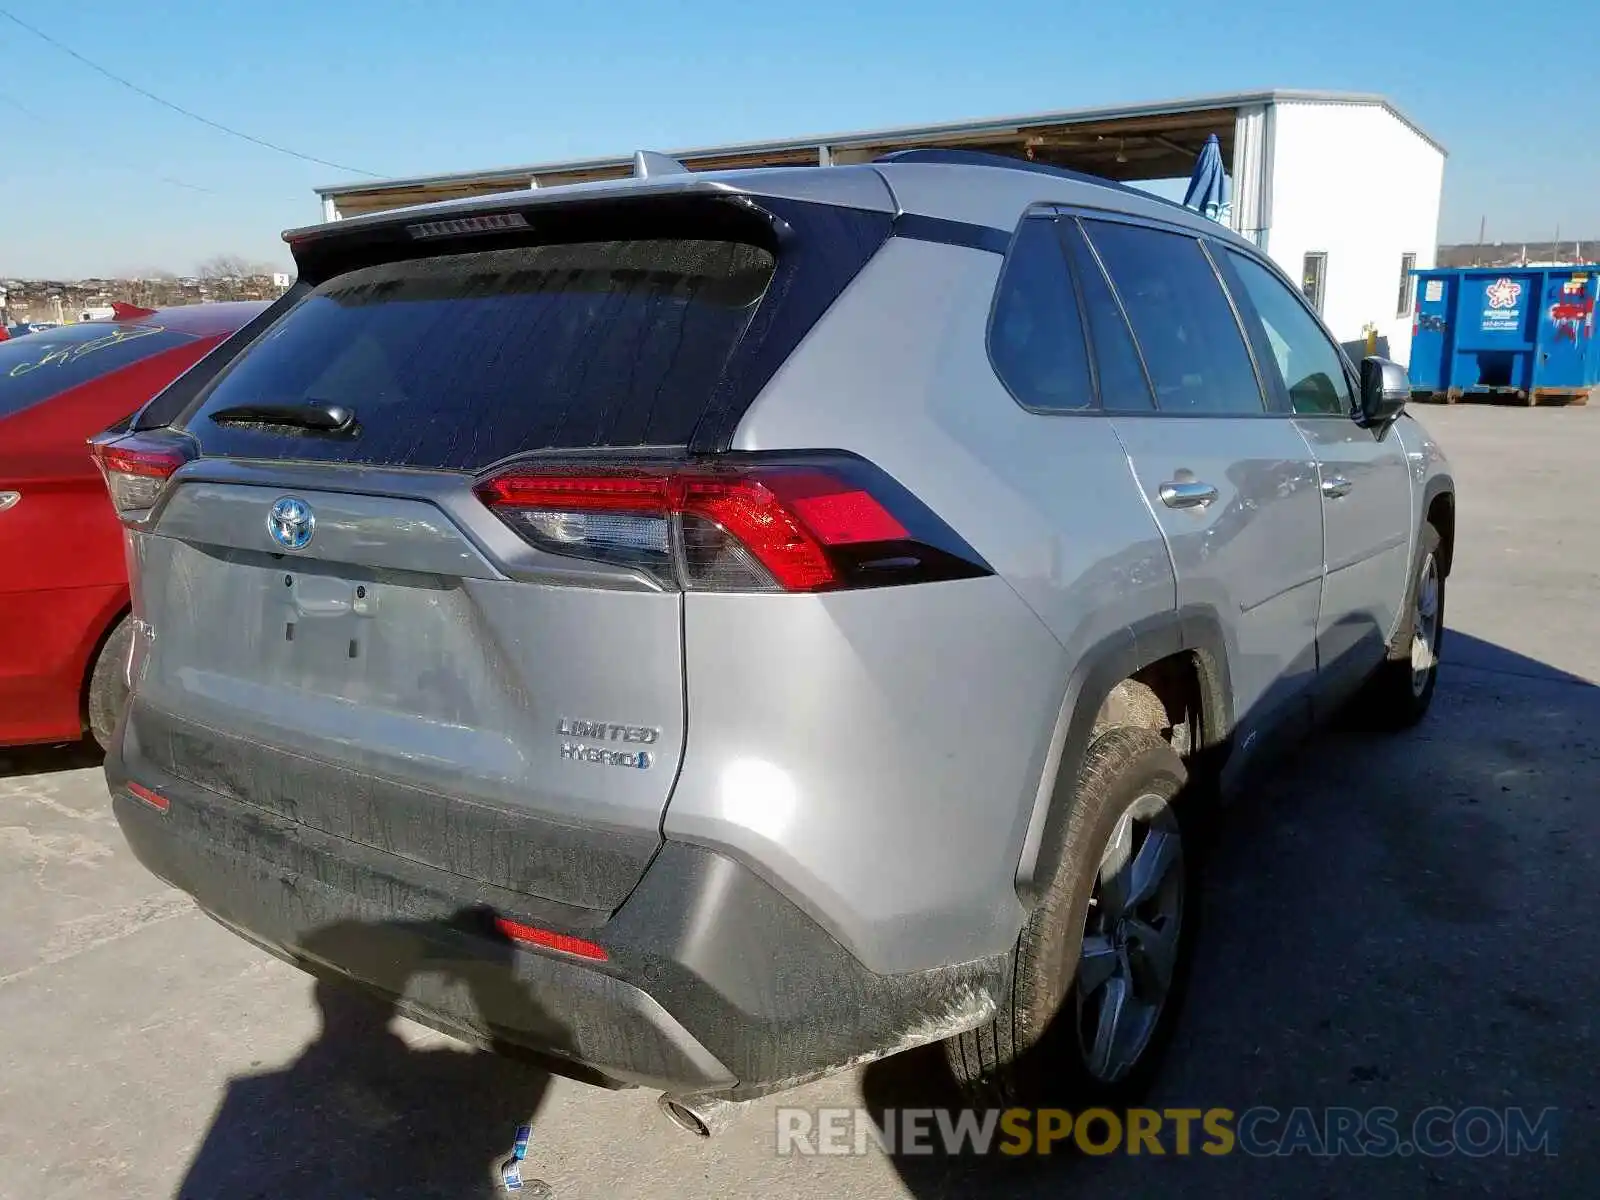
point(129, 312)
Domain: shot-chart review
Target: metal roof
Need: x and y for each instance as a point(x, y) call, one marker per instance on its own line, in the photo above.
point(899, 136)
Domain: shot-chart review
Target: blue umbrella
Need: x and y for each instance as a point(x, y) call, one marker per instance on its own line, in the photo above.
point(1208, 186)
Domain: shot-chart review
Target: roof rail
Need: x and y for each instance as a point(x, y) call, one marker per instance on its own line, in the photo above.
point(647, 164)
point(979, 158)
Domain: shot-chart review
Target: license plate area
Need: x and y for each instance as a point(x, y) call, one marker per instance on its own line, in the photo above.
point(406, 644)
point(319, 620)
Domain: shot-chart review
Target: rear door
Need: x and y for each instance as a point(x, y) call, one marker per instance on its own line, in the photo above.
point(1232, 484)
point(1363, 476)
point(341, 632)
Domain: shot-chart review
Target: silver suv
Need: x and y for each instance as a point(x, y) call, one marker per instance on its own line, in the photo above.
point(742, 625)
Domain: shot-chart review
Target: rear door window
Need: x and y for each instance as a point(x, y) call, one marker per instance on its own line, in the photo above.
point(41, 365)
point(1185, 327)
point(457, 361)
point(1123, 386)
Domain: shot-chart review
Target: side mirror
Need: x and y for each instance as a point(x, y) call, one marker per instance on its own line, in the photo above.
point(1385, 388)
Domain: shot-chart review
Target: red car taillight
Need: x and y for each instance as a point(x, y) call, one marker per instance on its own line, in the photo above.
point(795, 524)
point(135, 471)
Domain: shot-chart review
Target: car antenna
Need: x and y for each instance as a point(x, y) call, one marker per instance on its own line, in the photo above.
point(647, 164)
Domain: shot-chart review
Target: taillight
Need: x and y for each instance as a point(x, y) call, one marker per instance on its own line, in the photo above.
point(136, 469)
point(760, 524)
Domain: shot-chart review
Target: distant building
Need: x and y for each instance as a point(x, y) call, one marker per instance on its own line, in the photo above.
point(1341, 190)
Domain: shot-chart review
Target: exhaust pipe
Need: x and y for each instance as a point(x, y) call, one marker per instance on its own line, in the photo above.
point(699, 1115)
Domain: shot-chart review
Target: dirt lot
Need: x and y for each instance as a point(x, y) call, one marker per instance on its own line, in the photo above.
point(1400, 922)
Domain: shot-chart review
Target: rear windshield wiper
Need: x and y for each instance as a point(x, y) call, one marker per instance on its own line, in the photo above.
point(320, 415)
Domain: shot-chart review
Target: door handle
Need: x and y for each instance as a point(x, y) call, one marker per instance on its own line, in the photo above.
point(1335, 486)
point(1187, 494)
point(7, 499)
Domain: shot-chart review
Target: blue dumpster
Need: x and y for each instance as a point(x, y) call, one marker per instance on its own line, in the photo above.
point(1522, 332)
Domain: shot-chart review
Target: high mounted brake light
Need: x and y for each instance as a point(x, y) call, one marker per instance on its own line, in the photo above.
point(793, 524)
point(137, 470)
point(456, 226)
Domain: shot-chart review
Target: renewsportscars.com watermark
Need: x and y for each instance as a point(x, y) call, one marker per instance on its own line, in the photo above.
point(1261, 1131)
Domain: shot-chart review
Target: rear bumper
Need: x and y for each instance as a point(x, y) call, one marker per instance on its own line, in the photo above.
point(714, 984)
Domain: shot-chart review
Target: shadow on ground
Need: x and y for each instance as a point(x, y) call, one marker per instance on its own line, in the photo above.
point(360, 1113)
point(1388, 921)
point(46, 760)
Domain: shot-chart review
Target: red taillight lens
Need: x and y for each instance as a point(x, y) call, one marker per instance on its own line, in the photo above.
point(793, 525)
point(587, 493)
point(136, 471)
point(530, 935)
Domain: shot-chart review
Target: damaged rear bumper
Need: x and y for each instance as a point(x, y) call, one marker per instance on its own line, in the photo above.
point(713, 983)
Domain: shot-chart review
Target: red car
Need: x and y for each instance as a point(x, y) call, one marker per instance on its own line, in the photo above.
point(63, 582)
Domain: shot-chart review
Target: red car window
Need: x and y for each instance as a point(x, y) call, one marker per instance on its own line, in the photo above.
point(42, 365)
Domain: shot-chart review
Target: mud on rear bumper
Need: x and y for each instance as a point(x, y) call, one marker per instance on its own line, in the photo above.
point(714, 984)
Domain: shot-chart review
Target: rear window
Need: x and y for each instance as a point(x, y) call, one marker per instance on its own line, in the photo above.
point(41, 365)
point(457, 361)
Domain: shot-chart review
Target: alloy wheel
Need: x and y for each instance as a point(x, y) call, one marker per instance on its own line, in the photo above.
point(1130, 939)
point(1425, 626)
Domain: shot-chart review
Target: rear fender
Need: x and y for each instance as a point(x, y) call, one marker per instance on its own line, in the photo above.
point(1108, 663)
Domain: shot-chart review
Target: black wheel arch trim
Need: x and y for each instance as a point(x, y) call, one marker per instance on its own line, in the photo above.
point(1437, 486)
point(1196, 631)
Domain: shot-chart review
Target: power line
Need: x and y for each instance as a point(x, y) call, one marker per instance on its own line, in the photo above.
point(20, 106)
point(124, 164)
point(177, 108)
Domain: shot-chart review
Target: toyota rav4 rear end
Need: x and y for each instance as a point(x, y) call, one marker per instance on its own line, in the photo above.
point(470, 652)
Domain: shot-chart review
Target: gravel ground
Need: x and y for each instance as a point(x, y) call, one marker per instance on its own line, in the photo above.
point(1398, 922)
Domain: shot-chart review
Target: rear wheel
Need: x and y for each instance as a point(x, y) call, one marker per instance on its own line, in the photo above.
point(108, 683)
point(1100, 967)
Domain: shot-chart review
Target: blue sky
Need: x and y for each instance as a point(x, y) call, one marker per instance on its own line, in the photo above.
point(96, 179)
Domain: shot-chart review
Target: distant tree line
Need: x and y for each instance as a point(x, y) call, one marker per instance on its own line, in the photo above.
point(220, 277)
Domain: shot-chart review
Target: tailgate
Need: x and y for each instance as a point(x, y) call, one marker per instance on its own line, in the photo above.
point(416, 673)
point(388, 684)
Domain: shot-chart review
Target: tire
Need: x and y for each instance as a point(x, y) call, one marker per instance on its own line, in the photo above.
point(108, 683)
point(1399, 693)
point(1042, 1049)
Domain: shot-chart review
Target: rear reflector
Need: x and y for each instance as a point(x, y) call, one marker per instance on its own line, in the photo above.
point(135, 471)
point(532, 936)
point(793, 524)
point(158, 802)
